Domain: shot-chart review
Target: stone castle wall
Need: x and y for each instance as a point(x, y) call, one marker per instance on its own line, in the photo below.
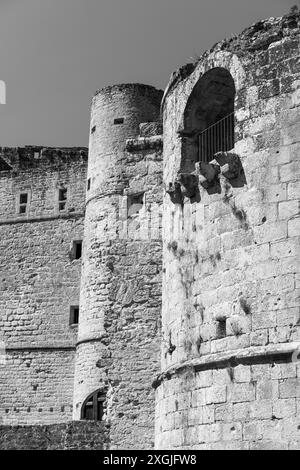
point(230, 315)
point(81, 435)
point(119, 332)
point(224, 263)
point(39, 282)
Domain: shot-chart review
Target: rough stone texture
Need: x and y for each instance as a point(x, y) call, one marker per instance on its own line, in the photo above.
point(67, 436)
point(119, 333)
point(39, 281)
point(229, 264)
point(231, 256)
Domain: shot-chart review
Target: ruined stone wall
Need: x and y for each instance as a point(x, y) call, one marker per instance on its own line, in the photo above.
point(86, 435)
point(230, 315)
point(39, 282)
point(119, 332)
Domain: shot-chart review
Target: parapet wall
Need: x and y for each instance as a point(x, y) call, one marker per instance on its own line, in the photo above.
point(230, 315)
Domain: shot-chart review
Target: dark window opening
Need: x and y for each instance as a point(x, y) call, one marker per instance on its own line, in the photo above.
point(208, 119)
point(74, 315)
point(23, 198)
point(89, 184)
point(93, 407)
point(135, 204)
point(221, 328)
point(93, 129)
point(119, 121)
point(77, 249)
point(62, 199)
point(23, 201)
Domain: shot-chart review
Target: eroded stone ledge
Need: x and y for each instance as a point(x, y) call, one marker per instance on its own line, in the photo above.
point(23, 220)
point(252, 355)
point(144, 143)
point(42, 347)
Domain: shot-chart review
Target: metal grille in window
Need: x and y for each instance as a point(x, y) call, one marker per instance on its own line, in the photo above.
point(216, 138)
point(93, 407)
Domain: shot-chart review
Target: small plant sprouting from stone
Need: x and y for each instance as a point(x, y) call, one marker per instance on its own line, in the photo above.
point(236, 328)
point(215, 257)
point(230, 372)
point(173, 246)
point(227, 194)
point(245, 306)
point(198, 343)
point(172, 347)
point(294, 9)
point(187, 345)
point(201, 311)
point(240, 214)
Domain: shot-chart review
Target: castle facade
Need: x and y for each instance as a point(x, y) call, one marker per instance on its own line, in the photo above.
point(152, 281)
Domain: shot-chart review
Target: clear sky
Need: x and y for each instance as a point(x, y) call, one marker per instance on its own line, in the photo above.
point(54, 54)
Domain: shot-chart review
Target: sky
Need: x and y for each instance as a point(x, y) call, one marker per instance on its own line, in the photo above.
point(54, 54)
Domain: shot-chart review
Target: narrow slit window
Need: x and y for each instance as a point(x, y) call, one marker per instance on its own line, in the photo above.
point(23, 201)
point(74, 315)
point(118, 121)
point(89, 184)
point(62, 199)
point(77, 249)
point(93, 129)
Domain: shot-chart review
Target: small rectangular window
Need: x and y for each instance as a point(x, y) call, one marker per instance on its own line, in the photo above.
point(93, 129)
point(119, 121)
point(221, 328)
point(62, 194)
point(23, 198)
point(23, 201)
point(74, 315)
point(62, 199)
point(77, 249)
point(89, 184)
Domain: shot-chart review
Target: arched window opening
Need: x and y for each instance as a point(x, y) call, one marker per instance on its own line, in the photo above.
point(208, 119)
point(93, 407)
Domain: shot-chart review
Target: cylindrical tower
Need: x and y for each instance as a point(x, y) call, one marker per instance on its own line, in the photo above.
point(111, 358)
point(231, 231)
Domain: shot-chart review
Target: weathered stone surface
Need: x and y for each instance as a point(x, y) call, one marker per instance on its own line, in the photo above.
point(119, 333)
point(68, 436)
point(40, 280)
point(230, 296)
point(224, 264)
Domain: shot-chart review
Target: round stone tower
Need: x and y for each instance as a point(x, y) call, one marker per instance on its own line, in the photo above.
point(231, 236)
point(117, 344)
